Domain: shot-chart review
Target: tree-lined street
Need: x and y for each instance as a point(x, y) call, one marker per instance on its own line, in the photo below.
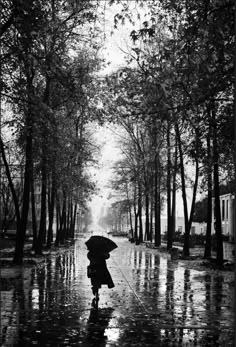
point(171, 97)
point(89, 144)
point(156, 302)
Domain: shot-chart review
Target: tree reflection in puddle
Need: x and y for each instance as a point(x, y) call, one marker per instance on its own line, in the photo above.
point(156, 302)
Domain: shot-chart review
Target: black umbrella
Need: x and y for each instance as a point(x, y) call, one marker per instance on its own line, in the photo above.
point(101, 244)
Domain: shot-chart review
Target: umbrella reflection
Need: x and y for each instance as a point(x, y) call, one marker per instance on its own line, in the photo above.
point(98, 322)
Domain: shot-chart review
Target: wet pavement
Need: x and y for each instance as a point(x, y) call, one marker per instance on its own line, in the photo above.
point(156, 302)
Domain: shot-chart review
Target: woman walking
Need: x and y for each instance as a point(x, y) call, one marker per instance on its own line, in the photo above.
point(98, 273)
point(99, 248)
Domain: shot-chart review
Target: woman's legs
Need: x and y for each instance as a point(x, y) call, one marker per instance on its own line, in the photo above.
point(95, 291)
point(96, 299)
point(95, 288)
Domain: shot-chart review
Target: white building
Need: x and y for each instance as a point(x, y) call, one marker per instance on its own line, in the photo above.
point(196, 228)
point(227, 208)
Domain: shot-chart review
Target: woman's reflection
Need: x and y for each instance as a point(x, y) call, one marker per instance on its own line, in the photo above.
point(97, 323)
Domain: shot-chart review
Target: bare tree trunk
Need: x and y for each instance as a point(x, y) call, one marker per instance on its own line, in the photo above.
point(42, 237)
point(68, 214)
point(173, 212)
point(151, 221)
point(168, 187)
point(74, 220)
point(207, 252)
point(34, 219)
point(71, 219)
point(21, 220)
point(130, 221)
point(188, 220)
point(135, 227)
point(42, 227)
point(129, 211)
point(51, 208)
point(147, 225)
point(10, 182)
point(63, 220)
point(135, 217)
point(194, 193)
point(219, 240)
point(18, 254)
point(187, 231)
point(20, 235)
point(140, 238)
point(58, 233)
point(157, 204)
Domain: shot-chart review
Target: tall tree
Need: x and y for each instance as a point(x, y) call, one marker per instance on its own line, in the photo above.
point(36, 49)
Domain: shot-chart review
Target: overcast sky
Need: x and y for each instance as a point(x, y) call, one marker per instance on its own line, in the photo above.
point(119, 42)
point(114, 47)
point(102, 174)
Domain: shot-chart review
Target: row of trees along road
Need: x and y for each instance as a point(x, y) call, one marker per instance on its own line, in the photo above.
point(49, 56)
point(175, 102)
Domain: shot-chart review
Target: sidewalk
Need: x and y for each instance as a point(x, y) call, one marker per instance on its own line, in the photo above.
point(155, 302)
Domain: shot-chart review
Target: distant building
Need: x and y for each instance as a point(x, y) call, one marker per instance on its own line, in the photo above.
point(227, 208)
point(196, 228)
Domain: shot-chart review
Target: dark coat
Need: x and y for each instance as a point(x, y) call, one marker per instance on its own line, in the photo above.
point(101, 274)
